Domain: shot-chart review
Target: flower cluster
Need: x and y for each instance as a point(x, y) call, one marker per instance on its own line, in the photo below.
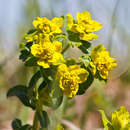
point(49, 27)
point(47, 53)
point(101, 63)
point(84, 25)
point(56, 75)
point(70, 77)
point(46, 49)
point(120, 119)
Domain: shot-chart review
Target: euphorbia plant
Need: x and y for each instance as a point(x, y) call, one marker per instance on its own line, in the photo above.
point(120, 119)
point(44, 47)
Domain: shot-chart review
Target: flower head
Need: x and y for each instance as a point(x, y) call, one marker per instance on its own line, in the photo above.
point(102, 61)
point(84, 25)
point(120, 119)
point(48, 27)
point(70, 77)
point(48, 53)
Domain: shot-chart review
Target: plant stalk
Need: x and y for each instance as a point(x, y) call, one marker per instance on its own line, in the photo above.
point(35, 122)
point(66, 47)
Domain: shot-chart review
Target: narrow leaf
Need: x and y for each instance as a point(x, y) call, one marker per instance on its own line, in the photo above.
point(43, 118)
point(85, 47)
point(24, 55)
point(106, 122)
point(85, 85)
point(31, 61)
point(34, 79)
point(57, 102)
point(16, 124)
point(21, 92)
point(26, 127)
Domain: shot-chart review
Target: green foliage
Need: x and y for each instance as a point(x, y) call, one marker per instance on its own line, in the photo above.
point(85, 60)
point(43, 118)
point(34, 79)
point(84, 86)
point(31, 32)
point(31, 61)
point(120, 119)
point(70, 61)
point(44, 96)
point(86, 47)
point(106, 122)
point(57, 102)
point(24, 55)
point(22, 93)
point(17, 125)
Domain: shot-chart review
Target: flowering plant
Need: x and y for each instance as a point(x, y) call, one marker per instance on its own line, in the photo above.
point(44, 48)
point(120, 119)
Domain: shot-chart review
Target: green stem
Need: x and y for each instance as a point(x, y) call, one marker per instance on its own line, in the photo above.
point(66, 47)
point(35, 122)
point(43, 74)
point(57, 118)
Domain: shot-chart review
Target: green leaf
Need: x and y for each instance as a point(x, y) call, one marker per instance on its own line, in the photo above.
point(34, 79)
point(106, 122)
point(75, 44)
point(22, 46)
point(86, 47)
point(42, 86)
point(57, 102)
point(28, 45)
point(30, 33)
point(70, 61)
point(55, 89)
point(43, 118)
point(44, 95)
point(26, 127)
point(85, 85)
point(22, 93)
point(24, 55)
point(47, 74)
point(85, 59)
point(74, 37)
point(16, 124)
point(31, 61)
point(59, 37)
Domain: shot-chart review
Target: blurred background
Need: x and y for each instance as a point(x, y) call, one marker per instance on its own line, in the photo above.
point(16, 19)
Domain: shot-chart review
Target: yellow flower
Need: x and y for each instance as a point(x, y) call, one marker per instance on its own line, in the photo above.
point(121, 119)
point(88, 36)
point(84, 25)
point(48, 27)
point(59, 127)
point(48, 53)
point(84, 19)
point(70, 77)
point(70, 20)
point(103, 62)
point(93, 68)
